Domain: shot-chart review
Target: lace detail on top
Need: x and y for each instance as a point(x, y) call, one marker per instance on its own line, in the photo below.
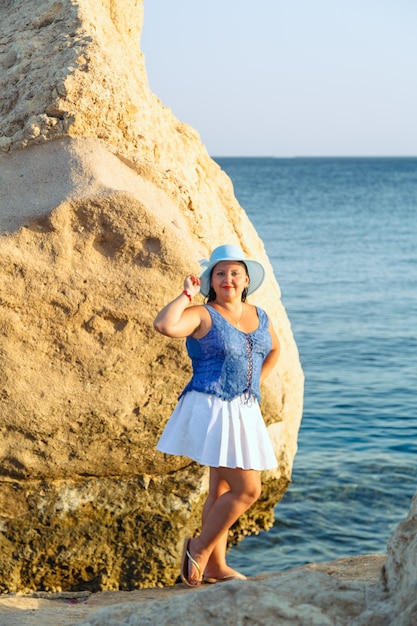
point(249, 354)
point(227, 362)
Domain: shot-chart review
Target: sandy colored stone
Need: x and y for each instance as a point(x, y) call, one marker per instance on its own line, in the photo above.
point(302, 596)
point(106, 202)
point(353, 591)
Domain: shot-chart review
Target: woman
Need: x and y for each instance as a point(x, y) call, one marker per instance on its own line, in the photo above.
point(217, 421)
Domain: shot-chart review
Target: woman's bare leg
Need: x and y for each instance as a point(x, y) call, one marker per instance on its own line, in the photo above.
point(217, 561)
point(221, 513)
point(216, 566)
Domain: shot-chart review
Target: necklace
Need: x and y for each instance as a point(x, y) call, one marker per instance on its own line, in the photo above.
point(236, 321)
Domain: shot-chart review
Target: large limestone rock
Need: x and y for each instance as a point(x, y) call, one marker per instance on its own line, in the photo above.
point(106, 202)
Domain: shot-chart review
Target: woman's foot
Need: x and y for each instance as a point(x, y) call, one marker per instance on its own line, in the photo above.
point(191, 572)
point(212, 576)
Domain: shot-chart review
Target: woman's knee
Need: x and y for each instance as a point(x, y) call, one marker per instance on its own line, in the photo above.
point(246, 485)
point(254, 491)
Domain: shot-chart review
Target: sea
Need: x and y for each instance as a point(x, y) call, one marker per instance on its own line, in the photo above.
point(341, 234)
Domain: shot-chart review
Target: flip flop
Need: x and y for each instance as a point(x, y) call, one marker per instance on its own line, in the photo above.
point(212, 581)
point(185, 564)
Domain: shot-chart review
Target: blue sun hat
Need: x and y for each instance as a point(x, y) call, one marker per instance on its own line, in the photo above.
point(229, 252)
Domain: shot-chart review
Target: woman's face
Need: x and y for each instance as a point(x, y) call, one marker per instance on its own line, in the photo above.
point(229, 279)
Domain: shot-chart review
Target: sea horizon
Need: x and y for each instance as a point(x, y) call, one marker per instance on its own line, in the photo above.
point(266, 156)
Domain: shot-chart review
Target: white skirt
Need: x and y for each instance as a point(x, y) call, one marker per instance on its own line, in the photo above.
point(219, 433)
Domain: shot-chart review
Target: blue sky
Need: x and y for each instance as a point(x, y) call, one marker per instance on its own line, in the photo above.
point(288, 77)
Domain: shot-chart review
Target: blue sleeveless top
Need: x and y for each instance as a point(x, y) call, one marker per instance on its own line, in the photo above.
point(227, 362)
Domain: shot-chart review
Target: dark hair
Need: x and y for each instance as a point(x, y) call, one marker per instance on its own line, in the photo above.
point(211, 296)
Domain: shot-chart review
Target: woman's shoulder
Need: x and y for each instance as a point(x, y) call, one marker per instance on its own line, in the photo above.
point(210, 310)
point(205, 320)
point(257, 309)
point(202, 310)
point(262, 315)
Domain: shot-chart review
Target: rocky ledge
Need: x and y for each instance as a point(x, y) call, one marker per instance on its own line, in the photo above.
point(269, 599)
point(368, 590)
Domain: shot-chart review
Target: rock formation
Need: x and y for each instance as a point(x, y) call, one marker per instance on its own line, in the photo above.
point(106, 202)
point(360, 591)
point(366, 590)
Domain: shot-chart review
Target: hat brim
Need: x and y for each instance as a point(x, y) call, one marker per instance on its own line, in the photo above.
point(255, 270)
